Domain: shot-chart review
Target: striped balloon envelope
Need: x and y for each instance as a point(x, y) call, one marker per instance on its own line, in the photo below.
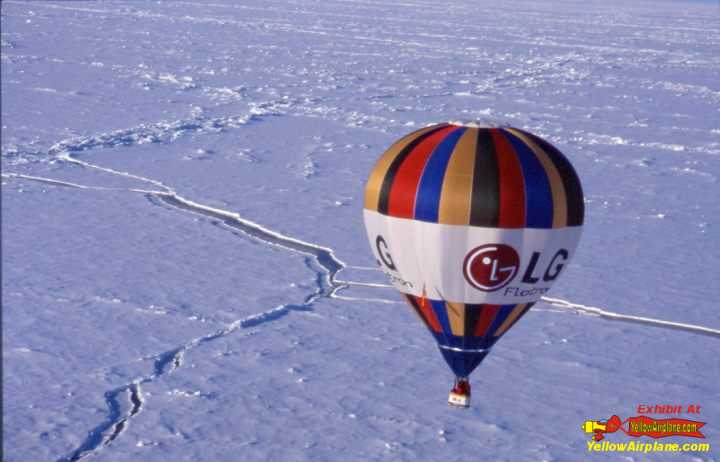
point(473, 225)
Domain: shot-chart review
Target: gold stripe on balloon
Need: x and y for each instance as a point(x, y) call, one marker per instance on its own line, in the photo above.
point(456, 195)
point(456, 316)
point(517, 311)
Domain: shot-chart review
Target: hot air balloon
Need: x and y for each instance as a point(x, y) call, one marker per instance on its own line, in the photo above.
point(472, 225)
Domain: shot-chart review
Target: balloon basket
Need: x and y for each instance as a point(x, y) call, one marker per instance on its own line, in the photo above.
point(460, 394)
point(456, 400)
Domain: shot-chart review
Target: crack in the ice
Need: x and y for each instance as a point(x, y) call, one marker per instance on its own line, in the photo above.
point(324, 256)
point(169, 361)
point(115, 423)
point(613, 316)
point(328, 265)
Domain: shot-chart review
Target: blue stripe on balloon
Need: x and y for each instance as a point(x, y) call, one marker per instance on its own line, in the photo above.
point(440, 310)
point(539, 202)
point(427, 199)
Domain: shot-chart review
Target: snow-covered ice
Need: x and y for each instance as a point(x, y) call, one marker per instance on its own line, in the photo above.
point(185, 274)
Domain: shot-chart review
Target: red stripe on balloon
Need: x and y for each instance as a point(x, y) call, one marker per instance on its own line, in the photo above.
point(405, 184)
point(512, 183)
point(487, 316)
point(426, 309)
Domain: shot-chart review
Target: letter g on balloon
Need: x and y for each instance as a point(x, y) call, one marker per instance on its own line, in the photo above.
point(384, 253)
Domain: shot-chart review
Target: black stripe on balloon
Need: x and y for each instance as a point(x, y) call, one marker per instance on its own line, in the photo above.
point(472, 315)
point(485, 200)
point(384, 200)
point(573, 188)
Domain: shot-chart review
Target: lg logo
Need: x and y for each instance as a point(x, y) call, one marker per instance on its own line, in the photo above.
point(493, 266)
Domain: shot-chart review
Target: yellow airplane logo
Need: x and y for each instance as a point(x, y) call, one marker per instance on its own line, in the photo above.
point(592, 426)
point(600, 427)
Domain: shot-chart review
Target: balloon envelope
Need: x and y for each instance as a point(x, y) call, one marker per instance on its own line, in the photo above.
point(472, 225)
